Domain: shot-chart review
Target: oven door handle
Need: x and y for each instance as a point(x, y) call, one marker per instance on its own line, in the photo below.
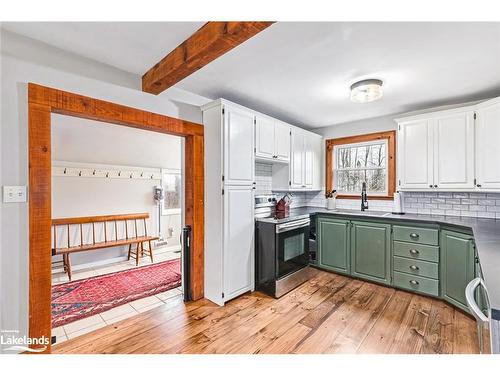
point(292, 225)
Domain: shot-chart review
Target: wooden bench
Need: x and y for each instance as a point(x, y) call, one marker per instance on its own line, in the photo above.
point(105, 221)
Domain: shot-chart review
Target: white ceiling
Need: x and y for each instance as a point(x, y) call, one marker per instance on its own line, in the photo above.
point(301, 72)
point(130, 46)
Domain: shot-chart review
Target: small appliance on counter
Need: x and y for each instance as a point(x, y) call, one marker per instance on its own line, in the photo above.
point(398, 204)
point(281, 248)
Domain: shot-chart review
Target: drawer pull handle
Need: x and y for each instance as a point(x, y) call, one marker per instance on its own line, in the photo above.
point(414, 252)
point(414, 282)
point(414, 268)
point(414, 236)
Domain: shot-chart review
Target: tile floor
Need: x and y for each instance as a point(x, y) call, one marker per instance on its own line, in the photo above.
point(116, 314)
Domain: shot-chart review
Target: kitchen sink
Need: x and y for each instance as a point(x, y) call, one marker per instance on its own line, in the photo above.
point(363, 213)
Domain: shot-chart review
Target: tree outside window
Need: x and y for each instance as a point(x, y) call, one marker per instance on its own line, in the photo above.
point(356, 163)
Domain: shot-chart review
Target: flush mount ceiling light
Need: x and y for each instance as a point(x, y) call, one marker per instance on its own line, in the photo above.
point(366, 90)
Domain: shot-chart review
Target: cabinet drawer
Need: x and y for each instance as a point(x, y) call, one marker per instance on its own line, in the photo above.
point(416, 235)
point(416, 251)
point(416, 267)
point(416, 283)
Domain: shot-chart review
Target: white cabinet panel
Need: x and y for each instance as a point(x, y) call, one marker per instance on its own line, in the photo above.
point(297, 161)
point(238, 146)
point(308, 162)
point(318, 162)
point(454, 151)
point(488, 145)
point(282, 141)
point(264, 137)
point(415, 151)
point(238, 240)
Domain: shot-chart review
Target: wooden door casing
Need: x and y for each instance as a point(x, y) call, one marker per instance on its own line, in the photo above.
point(42, 101)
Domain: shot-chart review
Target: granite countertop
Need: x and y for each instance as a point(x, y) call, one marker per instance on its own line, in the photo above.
point(486, 236)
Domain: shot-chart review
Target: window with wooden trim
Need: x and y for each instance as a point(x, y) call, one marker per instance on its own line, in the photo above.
point(367, 158)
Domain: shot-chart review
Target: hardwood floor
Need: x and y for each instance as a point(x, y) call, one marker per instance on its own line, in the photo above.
point(329, 314)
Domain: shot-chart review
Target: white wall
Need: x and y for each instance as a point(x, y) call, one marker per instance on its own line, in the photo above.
point(15, 74)
point(373, 125)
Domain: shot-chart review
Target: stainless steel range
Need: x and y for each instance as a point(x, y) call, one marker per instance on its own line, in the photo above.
point(281, 248)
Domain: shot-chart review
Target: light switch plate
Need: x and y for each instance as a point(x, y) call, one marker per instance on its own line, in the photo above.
point(14, 194)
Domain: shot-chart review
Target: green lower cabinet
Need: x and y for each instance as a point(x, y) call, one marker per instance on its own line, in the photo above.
point(371, 251)
point(457, 266)
point(333, 244)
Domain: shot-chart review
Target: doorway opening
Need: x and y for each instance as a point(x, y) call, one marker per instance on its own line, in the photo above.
point(42, 103)
point(116, 223)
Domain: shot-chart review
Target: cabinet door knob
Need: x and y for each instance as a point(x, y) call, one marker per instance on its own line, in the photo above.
point(414, 268)
point(430, 186)
point(414, 236)
point(478, 185)
point(414, 282)
point(414, 252)
point(435, 186)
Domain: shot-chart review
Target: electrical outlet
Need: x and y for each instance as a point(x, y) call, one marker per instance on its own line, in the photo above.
point(14, 194)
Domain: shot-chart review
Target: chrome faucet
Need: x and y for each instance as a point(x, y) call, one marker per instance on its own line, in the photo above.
point(364, 197)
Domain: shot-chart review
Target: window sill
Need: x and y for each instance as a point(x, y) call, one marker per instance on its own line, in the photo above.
point(370, 197)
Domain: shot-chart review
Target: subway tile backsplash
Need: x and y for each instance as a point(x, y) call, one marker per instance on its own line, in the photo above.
point(453, 204)
point(431, 203)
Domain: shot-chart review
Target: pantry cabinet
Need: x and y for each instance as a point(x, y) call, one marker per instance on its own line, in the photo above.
point(229, 200)
point(487, 145)
point(436, 151)
point(238, 145)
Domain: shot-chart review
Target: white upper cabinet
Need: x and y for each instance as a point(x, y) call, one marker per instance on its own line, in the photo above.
point(454, 151)
point(264, 137)
point(415, 151)
point(239, 162)
point(297, 161)
point(305, 164)
point(308, 162)
point(451, 150)
point(272, 139)
point(488, 145)
point(282, 141)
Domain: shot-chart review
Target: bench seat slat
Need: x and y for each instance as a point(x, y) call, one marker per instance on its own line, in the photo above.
point(102, 245)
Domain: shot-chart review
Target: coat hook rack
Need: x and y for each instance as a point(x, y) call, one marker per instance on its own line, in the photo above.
point(64, 171)
point(152, 176)
point(93, 173)
point(107, 174)
point(80, 174)
point(119, 173)
point(131, 175)
point(142, 173)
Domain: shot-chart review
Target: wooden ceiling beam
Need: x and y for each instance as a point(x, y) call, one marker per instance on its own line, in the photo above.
point(211, 41)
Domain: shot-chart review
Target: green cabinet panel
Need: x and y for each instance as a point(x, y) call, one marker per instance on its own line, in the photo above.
point(371, 251)
point(457, 266)
point(416, 283)
point(333, 244)
point(425, 236)
point(416, 267)
point(416, 251)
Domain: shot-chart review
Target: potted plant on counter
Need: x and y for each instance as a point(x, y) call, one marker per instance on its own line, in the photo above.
point(331, 196)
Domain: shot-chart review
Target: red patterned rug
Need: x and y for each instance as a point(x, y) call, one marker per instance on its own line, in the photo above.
point(82, 298)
